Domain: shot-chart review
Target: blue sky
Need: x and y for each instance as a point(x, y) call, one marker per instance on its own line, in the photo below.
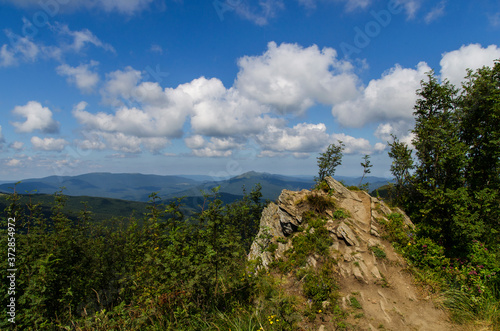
point(222, 87)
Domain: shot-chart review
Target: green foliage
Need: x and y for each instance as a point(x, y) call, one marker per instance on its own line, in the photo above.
point(320, 285)
point(322, 186)
point(340, 214)
point(424, 253)
point(379, 252)
point(396, 231)
point(355, 303)
point(329, 161)
point(320, 203)
point(402, 165)
point(156, 272)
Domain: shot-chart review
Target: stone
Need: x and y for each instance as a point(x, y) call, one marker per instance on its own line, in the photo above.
point(339, 190)
point(344, 232)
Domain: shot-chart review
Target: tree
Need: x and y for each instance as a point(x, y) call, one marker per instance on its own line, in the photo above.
point(329, 161)
point(366, 169)
point(480, 127)
point(402, 165)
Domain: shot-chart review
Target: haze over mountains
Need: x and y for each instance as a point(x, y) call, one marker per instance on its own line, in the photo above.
point(138, 187)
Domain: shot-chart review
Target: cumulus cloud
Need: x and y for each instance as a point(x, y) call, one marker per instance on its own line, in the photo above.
point(17, 145)
point(37, 118)
point(389, 98)
point(120, 85)
point(291, 78)
point(215, 147)
point(302, 138)
point(454, 64)
point(48, 144)
point(401, 129)
point(128, 7)
point(82, 76)
point(226, 112)
point(13, 163)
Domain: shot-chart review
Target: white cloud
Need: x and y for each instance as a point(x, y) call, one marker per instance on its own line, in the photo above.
point(82, 76)
point(19, 49)
point(355, 4)
point(379, 147)
point(120, 85)
point(7, 57)
point(292, 79)
point(2, 139)
point(410, 6)
point(17, 145)
point(226, 112)
point(128, 7)
point(24, 49)
point(454, 64)
point(391, 97)
point(353, 145)
point(48, 144)
point(436, 12)
point(148, 122)
point(121, 142)
point(13, 163)
point(216, 147)
point(81, 38)
point(260, 14)
point(350, 5)
point(37, 118)
point(302, 138)
point(401, 129)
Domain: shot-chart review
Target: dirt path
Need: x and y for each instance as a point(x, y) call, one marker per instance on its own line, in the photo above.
point(378, 291)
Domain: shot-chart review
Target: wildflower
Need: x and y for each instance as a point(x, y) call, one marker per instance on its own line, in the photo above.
point(319, 311)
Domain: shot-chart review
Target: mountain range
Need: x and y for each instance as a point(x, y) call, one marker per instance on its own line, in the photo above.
point(138, 187)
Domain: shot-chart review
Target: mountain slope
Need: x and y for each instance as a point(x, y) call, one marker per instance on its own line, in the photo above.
point(272, 185)
point(306, 236)
point(136, 187)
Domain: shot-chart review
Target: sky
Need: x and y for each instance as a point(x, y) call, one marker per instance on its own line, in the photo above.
point(223, 87)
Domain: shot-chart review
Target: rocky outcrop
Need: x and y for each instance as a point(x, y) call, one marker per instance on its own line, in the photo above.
point(366, 263)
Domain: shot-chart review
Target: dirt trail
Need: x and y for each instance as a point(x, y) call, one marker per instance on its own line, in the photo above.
point(374, 285)
point(378, 291)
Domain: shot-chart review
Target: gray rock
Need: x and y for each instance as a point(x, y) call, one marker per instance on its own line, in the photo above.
point(339, 190)
point(345, 232)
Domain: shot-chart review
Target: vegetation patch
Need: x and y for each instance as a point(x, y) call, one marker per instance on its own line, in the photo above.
point(379, 252)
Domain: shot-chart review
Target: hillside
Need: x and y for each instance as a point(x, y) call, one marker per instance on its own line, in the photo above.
point(375, 289)
point(138, 187)
point(271, 185)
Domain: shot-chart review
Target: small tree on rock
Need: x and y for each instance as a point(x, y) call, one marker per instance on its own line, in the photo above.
point(329, 161)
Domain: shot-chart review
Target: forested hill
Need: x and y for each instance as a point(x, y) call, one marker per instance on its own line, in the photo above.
point(138, 187)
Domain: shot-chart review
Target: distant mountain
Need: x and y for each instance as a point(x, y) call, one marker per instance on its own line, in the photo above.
point(272, 185)
point(374, 182)
point(137, 187)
